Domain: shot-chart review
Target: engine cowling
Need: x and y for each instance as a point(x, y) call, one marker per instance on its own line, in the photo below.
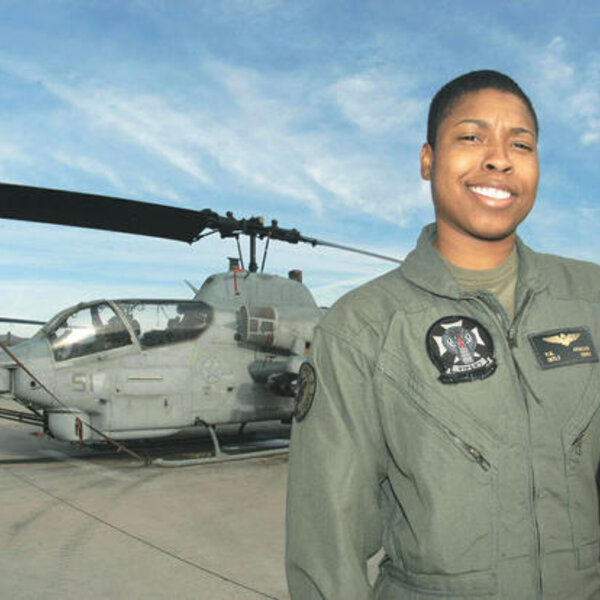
point(278, 328)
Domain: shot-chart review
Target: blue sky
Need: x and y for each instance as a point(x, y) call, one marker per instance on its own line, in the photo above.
point(311, 112)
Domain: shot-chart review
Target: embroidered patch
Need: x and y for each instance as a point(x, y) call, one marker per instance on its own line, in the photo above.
point(563, 347)
point(461, 348)
point(305, 392)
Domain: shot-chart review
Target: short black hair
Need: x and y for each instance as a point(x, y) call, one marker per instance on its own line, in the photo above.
point(474, 81)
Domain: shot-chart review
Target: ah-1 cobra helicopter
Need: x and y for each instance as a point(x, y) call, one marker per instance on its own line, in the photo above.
point(141, 368)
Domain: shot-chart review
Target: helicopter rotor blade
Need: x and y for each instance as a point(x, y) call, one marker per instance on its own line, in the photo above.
point(107, 213)
point(316, 242)
point(293, 236)
point(21, 321)
point(61, 207)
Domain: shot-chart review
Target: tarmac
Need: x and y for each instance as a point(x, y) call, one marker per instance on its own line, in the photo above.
point(79, 524)
point(74, 526)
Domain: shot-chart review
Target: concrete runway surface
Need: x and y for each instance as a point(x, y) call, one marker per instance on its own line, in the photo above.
point(74, 526)
point(80, 524)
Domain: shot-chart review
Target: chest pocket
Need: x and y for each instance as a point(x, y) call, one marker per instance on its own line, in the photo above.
point(561, 371)
point(443, 473)
point(581, 444)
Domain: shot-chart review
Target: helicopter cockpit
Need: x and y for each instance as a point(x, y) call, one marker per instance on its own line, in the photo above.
point(105, 325)
point(89, 329)
point(160, 322)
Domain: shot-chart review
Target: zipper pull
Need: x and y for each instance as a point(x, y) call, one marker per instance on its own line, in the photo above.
point(576, 445)
point(479, 458)
point(494, 307)
point(474, 453)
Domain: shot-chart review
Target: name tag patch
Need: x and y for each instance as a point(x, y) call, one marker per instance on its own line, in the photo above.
point(563, 347)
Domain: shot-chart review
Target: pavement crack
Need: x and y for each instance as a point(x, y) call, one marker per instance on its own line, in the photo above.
point(133, 536)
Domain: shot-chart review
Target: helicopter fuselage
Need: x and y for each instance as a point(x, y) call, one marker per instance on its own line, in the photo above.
point(140, 368)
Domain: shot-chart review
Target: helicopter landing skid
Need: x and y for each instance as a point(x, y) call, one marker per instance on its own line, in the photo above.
point(219, 456)
point(215, 441)
point(224, 457)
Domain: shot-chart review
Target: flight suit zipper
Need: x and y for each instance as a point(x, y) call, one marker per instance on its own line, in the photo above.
point(471, 451)
point(498, 314)
point(468, 449)
point(576, 445)
point(512, 331)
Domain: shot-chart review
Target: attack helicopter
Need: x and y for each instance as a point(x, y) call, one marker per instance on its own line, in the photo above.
point(146, 368)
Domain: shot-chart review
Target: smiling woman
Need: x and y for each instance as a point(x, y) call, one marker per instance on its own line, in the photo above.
point(484, 174)
point(451, 419)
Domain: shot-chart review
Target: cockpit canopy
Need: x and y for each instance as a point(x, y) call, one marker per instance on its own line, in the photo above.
point(107, 325)
point(160, 322)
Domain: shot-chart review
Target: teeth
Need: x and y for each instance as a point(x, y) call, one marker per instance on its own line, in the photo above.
point(491, 192)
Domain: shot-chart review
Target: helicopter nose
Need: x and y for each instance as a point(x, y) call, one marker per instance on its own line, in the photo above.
point(25, 371)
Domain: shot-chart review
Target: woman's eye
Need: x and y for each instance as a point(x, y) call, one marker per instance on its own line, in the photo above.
point(523, 146)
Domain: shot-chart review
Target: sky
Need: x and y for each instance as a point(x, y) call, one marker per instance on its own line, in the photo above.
point(309, 112)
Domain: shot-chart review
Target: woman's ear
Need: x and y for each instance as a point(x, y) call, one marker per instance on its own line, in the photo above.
point(426, 161)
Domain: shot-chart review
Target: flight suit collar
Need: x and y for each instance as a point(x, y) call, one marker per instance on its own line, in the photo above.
point(425, 268)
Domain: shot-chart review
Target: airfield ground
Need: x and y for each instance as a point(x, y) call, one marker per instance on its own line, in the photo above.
point(79, 524)
point(74, 526)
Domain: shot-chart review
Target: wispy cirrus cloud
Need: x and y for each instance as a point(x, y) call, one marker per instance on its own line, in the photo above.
point(263, 134)
point(135, 116)
point(379, 102)
point(570, 87)
point(92, 166)
point(12, 154)
point(296, 110)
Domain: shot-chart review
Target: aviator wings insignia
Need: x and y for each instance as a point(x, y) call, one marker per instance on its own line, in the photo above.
point(564, 339)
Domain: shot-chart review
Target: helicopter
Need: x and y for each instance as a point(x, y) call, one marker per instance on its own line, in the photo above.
point(136, 368)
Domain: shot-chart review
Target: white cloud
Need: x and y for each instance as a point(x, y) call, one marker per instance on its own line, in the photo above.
point(585, 102)
point(291, 159)
point(592, 137)
point(91, 166)
point(570, 88)
point(566, 229)
point(262, 133)
point(12, 154)
point(554, 69)
point(145, 120)
point(138, 117)
point(160, 190)
point(376, 102)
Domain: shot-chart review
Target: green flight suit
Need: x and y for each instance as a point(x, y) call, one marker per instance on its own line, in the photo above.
point(475, 489)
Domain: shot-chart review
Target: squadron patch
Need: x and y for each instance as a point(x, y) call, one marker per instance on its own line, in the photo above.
point(563, 347)
point(461, 348)
point(305, 392)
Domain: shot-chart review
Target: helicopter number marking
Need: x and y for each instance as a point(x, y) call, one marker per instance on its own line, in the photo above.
point(82, 383)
